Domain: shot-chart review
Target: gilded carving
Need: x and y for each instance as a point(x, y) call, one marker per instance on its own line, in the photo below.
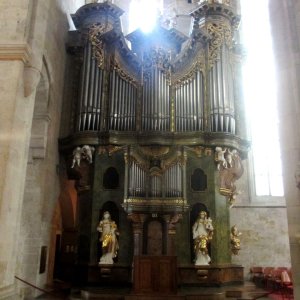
point(234, 240)
point(200, 151)
point(156, 58)
point(155, 202)
point(110, 149)
point(198, 65)
point(124, 75)
point(95, 32)
point(221, 33)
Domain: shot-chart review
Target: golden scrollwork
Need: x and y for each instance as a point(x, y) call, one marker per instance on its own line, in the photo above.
point(221, 33)
point(198, 65)
point(155, 202)
point(155, 151)
point(96, 30)
point(110, 149)
point(124, 75)
point(156, 58)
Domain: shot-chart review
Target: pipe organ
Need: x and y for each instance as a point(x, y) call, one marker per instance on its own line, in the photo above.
point(156, 86)
point(122, 103)
point(156, 178)
point(91, 94)
point(189, 104)
point(154, 113)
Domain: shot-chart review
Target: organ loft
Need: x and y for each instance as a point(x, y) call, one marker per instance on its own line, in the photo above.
point(154, 134)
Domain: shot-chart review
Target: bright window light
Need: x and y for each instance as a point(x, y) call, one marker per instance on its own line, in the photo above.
point(143, 14)
point(260, 97)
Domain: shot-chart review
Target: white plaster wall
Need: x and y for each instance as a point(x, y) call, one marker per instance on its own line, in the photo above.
point(264, 239)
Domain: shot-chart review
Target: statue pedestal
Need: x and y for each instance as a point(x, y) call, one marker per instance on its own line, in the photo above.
point(211, 275)
point(109, 275)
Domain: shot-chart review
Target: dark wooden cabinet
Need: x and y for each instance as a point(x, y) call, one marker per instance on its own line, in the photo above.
point(155, 274)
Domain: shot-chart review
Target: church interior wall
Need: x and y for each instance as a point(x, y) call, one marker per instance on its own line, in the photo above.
point(42, 185)
point(264, 239)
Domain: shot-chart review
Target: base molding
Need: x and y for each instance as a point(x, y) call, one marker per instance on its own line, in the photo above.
point(211, 275)
point(8, 292)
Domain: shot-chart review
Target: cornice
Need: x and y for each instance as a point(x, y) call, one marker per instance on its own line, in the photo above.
point(15, 52)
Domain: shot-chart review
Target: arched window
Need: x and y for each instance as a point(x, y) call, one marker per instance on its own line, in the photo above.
point(198, 180)
point(111, 179)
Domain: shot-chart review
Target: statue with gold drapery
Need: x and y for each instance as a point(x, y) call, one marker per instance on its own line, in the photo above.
point(110, 245)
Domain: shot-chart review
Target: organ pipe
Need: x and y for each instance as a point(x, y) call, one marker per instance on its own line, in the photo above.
point(221, 94)
point(91, 93)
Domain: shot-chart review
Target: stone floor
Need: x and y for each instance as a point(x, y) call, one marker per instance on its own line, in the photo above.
point(241, 292)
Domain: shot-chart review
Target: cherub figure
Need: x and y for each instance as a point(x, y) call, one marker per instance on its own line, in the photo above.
point(87, 153)
point(234, 240)
point(76, 157)
point(220, 157)
point(229, 157)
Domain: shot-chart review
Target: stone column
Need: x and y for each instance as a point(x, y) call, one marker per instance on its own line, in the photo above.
point(171, 232)
point(16, 111)
point(137, 226)
point(285, 21)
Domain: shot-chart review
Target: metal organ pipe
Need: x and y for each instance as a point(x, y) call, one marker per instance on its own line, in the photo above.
point(221, 94)
point(129, 107)
point(95, 97)
point(82, 80)
point(152, 101)
point(127, 102)
point(167, 114)
point(86, 85)
point(112, 99)
point(194, 107)
point(159, 98)
point(90, 96)
point(225, 102)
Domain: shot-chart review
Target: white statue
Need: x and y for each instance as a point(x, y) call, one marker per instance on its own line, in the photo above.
point(202, 234)
point(86, 152)
point(76, 157)
point(110, 245)
point(229, 157)
point(220, 157)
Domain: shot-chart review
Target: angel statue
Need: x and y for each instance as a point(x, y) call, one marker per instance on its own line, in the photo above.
point(234, 240)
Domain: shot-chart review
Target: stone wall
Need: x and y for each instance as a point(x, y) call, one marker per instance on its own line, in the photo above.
point(32, 60)
point(264, 239)
point(263, 224)
point(285, 20)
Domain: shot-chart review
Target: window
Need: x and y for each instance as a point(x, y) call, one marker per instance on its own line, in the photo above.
point(143, 14)
point(260, 97)
point(111, 179)
point(198, 180)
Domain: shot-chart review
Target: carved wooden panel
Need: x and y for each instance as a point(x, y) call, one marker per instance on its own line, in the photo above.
point(155, 274)
point(154, 242)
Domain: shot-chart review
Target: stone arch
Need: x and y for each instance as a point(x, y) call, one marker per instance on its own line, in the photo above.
point(63, 237)
point(41, 116)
